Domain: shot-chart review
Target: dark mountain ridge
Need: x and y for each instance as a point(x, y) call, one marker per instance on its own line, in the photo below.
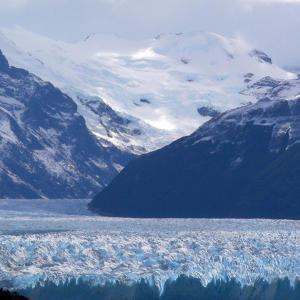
point(244, 163)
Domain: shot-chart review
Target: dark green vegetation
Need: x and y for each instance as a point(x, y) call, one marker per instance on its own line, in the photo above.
point(6, 295)
point(183, 288)
point(242, 164)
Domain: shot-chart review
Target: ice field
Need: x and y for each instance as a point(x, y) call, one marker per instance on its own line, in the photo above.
point(59, 242)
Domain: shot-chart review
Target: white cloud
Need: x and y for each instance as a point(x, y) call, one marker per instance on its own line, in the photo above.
point(269, 24)
point(275, 1)
point(251, 3)
point(8, 5)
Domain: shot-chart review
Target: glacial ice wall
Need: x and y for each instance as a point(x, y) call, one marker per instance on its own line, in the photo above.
point(183, 288)
point(41, 244)
point(109, 256)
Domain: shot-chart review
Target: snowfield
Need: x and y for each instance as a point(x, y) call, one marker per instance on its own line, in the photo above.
point(47, 244)
point(158, 84)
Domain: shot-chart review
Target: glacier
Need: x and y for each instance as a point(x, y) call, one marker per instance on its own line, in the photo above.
point(156, 86)
point(43, 243)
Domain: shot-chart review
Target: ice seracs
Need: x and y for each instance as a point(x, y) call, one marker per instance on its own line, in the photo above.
point(98, 250)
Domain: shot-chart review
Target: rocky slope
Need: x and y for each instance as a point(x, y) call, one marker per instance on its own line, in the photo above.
point(243, 163)
point(46, 149)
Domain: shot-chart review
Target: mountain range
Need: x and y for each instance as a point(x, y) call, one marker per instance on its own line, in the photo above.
point(74, 114)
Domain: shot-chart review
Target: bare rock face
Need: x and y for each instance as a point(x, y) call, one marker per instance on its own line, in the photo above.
point(261, 56)
point(207, 111)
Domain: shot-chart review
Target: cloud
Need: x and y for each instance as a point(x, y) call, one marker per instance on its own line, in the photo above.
point(250, 4)
point(275, 1)
point(268, 24)
point(9, 5)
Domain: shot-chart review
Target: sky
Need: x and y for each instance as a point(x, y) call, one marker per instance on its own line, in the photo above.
point(270, 25)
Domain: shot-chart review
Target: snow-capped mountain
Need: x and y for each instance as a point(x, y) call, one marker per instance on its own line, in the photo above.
point(157, 90)
point(46, 149)
point(243, 163)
